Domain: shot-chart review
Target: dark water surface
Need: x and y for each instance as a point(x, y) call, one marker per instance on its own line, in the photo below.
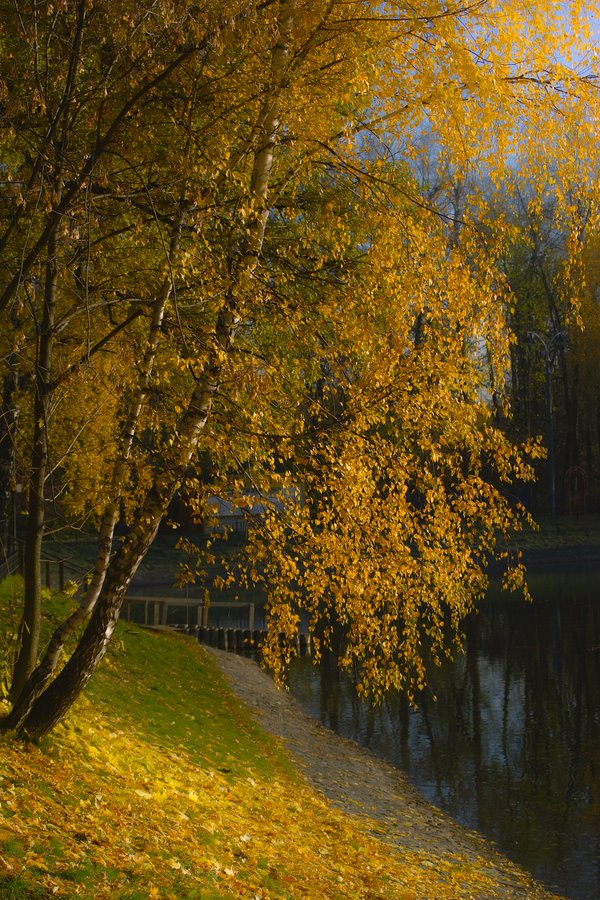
point(511, 747)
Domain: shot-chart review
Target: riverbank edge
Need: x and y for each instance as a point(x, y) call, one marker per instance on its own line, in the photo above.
point(366, 787)
point(561, 557)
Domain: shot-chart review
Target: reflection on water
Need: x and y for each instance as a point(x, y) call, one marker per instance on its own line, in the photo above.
point(512, 744)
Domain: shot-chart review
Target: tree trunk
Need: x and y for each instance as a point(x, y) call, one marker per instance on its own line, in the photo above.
point(29, 629)
point(52, 704)
point(50, 707)
point(41, 675)
point(29, 632)
point(8, 424)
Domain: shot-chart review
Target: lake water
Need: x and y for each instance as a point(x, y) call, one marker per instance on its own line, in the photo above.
point(511, 746)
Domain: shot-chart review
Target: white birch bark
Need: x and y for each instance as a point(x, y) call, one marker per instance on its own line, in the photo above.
point(55, 700)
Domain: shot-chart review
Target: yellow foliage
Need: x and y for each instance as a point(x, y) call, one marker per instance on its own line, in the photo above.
point(213, 229)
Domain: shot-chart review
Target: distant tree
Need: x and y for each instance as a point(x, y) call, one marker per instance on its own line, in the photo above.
point(547, 265)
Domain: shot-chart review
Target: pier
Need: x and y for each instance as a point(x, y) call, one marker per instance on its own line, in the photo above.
point(238, 636)
point(242, 640)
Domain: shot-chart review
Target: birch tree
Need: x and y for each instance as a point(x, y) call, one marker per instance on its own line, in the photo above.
point(162, 167)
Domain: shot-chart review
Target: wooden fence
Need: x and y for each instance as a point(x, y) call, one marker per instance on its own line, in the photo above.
point(156, 609)
point(53, 569)
point(244, 639)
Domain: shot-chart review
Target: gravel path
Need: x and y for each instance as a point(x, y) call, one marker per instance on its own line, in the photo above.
point(362, 785)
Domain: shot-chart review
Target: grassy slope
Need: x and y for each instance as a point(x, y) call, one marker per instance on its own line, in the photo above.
point(161, 785)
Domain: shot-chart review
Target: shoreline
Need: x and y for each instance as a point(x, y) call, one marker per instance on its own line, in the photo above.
point(540, 558)
point(378, 796)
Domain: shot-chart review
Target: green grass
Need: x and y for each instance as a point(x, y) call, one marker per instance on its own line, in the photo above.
point(160, 785)
point(181, 698)
point(16, 888)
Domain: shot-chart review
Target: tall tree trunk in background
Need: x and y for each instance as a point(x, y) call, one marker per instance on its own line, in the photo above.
point(8, 422)
point(52, 190)
point(29, 629)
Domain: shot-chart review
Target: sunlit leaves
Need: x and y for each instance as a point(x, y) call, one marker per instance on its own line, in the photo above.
point(214, 211)
point(396, 450)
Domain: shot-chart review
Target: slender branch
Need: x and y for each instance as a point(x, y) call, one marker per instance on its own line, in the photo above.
point(99, 345)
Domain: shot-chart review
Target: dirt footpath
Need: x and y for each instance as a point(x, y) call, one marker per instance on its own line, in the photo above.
point(366, 787)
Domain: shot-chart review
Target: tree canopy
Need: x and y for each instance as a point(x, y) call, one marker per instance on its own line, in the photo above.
point(215, 246)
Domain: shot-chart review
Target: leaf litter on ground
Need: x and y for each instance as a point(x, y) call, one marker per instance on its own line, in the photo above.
point(161, 784)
